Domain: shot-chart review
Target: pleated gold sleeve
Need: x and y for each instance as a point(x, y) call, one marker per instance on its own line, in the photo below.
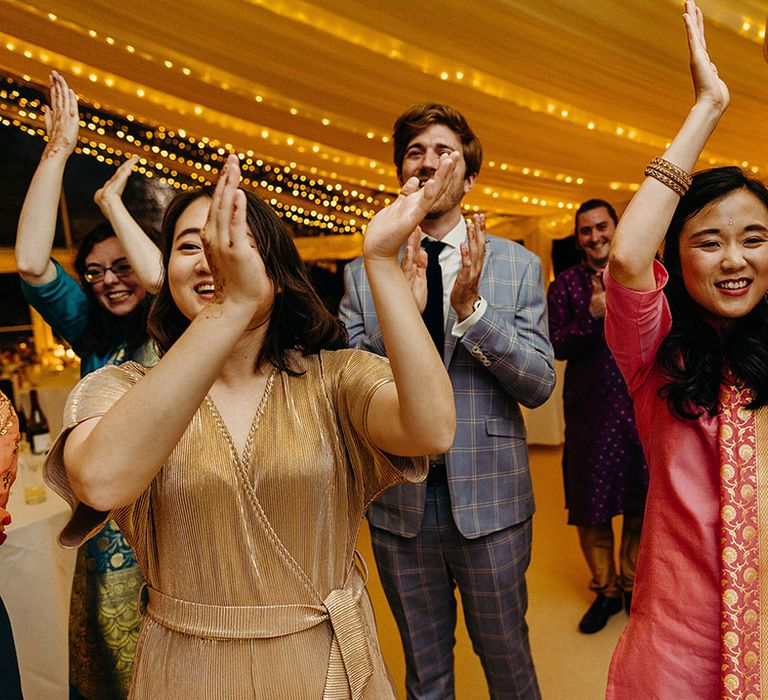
point(253, 587)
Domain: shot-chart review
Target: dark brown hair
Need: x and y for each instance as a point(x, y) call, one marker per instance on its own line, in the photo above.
point(298, 320)
point(105, 330)
point(591, 204)
point(419, 117)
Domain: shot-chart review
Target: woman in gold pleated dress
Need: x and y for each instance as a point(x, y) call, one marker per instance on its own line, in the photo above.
point(239, 468)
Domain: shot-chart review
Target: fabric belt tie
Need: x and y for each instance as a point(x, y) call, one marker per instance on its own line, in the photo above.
point(349, 667)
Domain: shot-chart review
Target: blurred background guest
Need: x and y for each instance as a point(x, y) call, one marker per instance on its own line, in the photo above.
point(603, 464)
point(103, 318)
point(10, 682)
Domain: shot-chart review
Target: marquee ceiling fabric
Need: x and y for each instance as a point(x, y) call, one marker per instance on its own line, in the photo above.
point(571, 98)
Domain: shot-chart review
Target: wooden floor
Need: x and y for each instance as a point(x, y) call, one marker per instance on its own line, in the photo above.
point(570, 665)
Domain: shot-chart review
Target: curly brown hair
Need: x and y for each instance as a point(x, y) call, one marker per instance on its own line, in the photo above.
point(419, 117)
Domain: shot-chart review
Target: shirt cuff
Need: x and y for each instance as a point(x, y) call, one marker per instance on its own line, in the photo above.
point(459, 329)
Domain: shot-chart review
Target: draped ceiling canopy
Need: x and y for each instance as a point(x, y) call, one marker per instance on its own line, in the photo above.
point(571, 98)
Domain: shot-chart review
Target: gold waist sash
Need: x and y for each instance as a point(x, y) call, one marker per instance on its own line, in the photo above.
point(349, 666)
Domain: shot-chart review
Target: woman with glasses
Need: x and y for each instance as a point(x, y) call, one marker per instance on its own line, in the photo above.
point(104, 319)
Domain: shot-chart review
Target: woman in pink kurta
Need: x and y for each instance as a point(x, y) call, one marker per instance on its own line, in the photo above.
point(671, 640)
point(691, 339)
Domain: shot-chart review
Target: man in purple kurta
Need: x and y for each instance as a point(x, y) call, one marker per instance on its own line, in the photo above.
point(603, 463)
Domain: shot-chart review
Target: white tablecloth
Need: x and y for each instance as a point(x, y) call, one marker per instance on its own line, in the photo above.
point(35, 584)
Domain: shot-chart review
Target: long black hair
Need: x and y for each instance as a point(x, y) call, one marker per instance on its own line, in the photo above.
point(298, 321)
point(105, 330)
point(694, 354)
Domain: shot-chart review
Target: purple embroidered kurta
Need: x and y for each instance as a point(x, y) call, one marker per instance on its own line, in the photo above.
point(603, 463)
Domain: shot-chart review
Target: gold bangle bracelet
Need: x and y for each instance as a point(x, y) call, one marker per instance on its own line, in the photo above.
point(677, 187)
point(669, 175)
point(672, 170)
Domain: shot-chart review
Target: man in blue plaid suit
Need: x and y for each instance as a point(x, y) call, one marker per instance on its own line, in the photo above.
point(469, 525)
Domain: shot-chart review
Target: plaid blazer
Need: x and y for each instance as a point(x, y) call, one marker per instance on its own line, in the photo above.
point(504, 360)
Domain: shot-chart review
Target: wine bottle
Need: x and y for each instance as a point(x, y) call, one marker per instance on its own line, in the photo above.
point(37, 426)
point(22, 423)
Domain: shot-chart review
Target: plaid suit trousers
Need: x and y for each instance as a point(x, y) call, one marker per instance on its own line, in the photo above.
point(419, 576)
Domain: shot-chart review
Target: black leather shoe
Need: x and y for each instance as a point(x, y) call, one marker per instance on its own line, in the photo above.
point(597, 616)
point(627, 601)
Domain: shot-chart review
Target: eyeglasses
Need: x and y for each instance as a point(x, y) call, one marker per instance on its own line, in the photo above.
point(95, 273)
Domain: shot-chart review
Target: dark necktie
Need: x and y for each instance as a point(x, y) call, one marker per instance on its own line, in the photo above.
point(433, 311)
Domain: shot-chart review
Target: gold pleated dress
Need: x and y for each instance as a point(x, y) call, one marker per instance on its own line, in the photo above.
point(255, 590)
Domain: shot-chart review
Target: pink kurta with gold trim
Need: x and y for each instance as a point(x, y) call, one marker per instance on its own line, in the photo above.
point(670, 647)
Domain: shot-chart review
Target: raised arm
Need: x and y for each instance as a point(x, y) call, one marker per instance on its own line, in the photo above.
point(145, 257)
point(646, 219)
point(416, 415)
point(149, 420)
point(355, 311)
point(37, 222)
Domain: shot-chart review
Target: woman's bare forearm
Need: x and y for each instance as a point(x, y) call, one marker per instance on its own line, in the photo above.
point(149, 420)
point(145, 257)
point(420, 417)
point(37, 222)
point(644, 224)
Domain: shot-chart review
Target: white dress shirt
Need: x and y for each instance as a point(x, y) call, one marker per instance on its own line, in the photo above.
point(450, 264)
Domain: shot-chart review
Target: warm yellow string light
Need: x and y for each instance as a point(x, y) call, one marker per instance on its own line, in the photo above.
point(344, 29)
point(302, 146)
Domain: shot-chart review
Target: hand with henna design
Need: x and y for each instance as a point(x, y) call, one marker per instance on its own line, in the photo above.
point(37, 221)
point(62, 121)
point(112, 190)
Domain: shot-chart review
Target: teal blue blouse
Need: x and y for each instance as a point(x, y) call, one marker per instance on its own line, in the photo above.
point(64, 306)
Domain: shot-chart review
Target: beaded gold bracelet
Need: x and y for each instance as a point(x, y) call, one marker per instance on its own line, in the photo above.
point(669, 174)
point(661, 167)
point(673, 169)
point(678, 188)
